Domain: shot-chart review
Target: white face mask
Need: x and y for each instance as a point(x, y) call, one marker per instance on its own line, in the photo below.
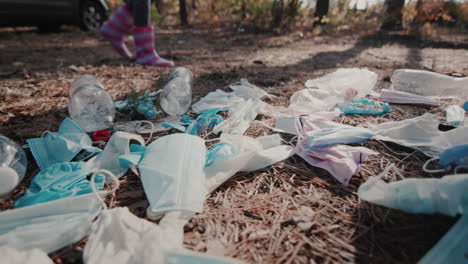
point(118, 236)
point(189, 257)
point(455, 115)
point(13, 256)
point(49, 226)
point(240, 117)
point(250, 155)
point(118, 145)
point(428, 196)
point(52, 225)
point(421, 133)
point(172, 173)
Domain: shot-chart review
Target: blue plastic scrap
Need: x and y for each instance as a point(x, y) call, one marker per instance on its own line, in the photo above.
point(365, 107)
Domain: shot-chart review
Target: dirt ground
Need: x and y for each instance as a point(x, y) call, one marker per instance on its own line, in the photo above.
point(255, 217)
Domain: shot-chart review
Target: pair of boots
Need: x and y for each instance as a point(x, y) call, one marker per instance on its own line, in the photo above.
point(121, 24)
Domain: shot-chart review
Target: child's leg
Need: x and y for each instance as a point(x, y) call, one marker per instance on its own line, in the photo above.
point(115, 29)
point(140, 10)
point(144, 34)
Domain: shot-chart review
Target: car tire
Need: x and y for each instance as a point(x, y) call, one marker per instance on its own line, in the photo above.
point(92, 15)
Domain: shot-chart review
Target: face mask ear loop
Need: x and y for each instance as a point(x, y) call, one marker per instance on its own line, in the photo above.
point(93, 185)
point(299, 132)
point(151, 133)
point(429, 170)
point(45, 133)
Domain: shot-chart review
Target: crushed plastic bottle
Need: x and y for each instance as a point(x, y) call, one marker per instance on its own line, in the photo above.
point(176, 96)
point(91, 107)
point(13, 164)
point(429, 83)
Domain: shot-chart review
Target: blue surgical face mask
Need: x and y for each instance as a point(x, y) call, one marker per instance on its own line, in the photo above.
point(334, 136)
point(426, 196)
point(452, 158)
point(70, 142)
point(59, 181)
point(49, 226)
point(172, 173)
point(189, 257)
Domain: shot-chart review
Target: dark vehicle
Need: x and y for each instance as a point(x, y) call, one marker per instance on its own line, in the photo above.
point(48, 15)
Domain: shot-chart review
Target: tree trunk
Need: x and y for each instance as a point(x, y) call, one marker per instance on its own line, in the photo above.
point(183, 12)
point(393, 17)
point(321, 10)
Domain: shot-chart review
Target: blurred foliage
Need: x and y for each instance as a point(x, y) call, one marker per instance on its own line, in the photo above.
point(423, 18)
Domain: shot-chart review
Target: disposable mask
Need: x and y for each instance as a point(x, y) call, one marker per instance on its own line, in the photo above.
point(118, 236)
point(341, 161)
point(14, 256)
point(364, 107)
point(455, 115)
point(206, 120)
point(240, 118)
point(145, 126)
point(49, 226)
point(420, 133)
point(452, 247)
point(59, 181)
point(289, 124)
point(427, 196)
point(69, 143)
point(189, 257)
point(341, 86)
point(246, 90)
point(248, 154)
point(217, 99)
point(118, 145)
point(172, 174)
point(452, 158)
point(220, 153)
point(343, 135)
point(398, 97)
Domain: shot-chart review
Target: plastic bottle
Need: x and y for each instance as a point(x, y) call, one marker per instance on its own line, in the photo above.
point(91, 107)
point(176, 96)
point(429, 83)
point(13, 164)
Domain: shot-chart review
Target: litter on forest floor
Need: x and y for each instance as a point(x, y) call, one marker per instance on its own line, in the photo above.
point(178, 171)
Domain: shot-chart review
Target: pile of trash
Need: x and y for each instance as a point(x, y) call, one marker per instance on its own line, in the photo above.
point(204, 145)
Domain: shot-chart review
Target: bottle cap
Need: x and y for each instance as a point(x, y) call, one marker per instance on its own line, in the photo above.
point(8, 180)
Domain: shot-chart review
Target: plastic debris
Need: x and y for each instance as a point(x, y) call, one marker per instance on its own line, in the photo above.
point(13, 165)
point(172, 174)
point(240, 118)
point(49, 226)
point(341, 161)
point(428, 83)
point(146, 126)
point(91, 107)
point(452, 158)
point(246, 90)
point(420, 133)
point(59, 181)
point(455, 115)
point(339, 87)
point(176, 96)
point(101, 135)
point(427, 196)
point(399, 97)
point(217, 99)
point(118, 145)
point(15, 256)
point(118, 236)
point(332, 136)
point(69, 143)
point(364, 107)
